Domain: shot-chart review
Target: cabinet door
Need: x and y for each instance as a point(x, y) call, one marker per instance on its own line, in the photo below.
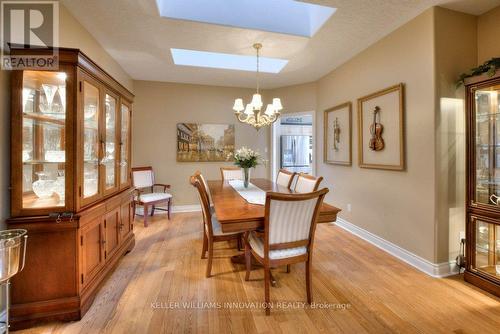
point(125, 144)
point(42, 141)
point(90, 143)
point(486, 146)
point(110, 147)
point(485, 252)
point(126, 225)
point(92, 241)
point(112, 229)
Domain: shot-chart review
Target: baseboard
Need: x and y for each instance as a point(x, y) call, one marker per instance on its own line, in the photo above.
point(443, 269)
point(186, 208)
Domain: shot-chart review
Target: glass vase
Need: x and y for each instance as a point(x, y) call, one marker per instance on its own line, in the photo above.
point(246, 174)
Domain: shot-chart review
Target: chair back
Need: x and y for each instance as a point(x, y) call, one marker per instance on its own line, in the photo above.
point(198, 183)
point(290, 219)
point(307, 183)
point(231, 173)
point(205, 184)
point(143, 177)
point(285, 178)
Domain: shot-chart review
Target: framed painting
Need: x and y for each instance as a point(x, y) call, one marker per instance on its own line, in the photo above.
point(381, 143)
point(337, 144)
point(205, 142)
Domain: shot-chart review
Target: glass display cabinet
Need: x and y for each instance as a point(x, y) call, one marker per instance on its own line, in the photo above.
point(70, 183)
point(483, 180)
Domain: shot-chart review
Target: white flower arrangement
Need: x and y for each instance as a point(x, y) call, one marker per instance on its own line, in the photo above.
point(246, 158)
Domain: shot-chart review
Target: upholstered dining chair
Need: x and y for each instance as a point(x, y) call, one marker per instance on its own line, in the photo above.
point(289, 226)
point(285, 178)
point(231, 173)
point(307, 183)
point(212, 231)
point(143, 180)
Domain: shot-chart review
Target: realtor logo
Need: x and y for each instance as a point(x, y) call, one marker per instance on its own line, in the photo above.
point(30, 25)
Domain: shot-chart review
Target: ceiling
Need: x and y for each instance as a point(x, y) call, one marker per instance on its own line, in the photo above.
point(135, 35)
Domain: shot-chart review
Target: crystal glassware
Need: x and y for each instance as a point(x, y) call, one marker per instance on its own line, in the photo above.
point(50, 92)
point(43, 187)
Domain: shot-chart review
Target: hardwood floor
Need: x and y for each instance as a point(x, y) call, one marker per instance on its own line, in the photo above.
point(369, 290)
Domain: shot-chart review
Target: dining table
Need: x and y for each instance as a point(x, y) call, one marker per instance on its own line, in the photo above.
point(236, 214)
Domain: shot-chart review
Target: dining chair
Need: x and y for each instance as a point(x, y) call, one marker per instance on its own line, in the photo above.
point(212, 231)
point(285, 178)
point(231, 173)
point(307, 183)
point(289, 226)
point(143, 180)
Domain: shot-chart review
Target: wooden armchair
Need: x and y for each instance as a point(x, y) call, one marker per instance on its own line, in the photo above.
point(212, 231)
point(307, 183)
point(229, 173)
point(289, 226)
point(143, 180)
point(285, 178)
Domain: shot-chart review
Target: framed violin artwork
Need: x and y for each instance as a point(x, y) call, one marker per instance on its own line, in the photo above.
point(381, 140)
point(337, 145)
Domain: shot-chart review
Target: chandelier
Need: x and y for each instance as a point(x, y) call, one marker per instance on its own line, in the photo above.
point(252, 113)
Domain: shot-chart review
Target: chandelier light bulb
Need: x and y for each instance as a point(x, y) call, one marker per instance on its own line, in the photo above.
point(257, 101)
point(238, 105)
point(249, 109)
point(269, 110)
point(277, 104)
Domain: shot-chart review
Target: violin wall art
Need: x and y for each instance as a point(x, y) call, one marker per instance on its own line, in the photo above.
point(381, 129)
point(376, 141)
point(337, 145)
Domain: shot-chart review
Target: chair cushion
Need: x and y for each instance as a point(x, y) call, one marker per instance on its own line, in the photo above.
point(216, 228)
point(257, 245)
point(153, 197)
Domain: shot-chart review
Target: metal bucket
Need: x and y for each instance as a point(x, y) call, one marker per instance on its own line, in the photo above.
point(12, 253)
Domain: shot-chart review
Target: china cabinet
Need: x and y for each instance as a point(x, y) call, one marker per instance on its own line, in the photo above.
point(483, 180)
point(70, 184)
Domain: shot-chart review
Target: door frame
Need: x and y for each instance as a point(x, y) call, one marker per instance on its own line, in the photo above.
point(275, 149)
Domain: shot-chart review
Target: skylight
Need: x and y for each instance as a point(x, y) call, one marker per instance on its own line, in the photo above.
point(280, 16)
point(226, 61)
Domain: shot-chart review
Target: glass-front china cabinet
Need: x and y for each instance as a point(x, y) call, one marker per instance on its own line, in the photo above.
point(70, 183)
point(483, 180)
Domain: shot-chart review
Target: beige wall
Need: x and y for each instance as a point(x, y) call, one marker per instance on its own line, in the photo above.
point(397, 206)
point(158, 107)
point(73, 35)
point(488, 32)
point(297, 98)
point(455, 52)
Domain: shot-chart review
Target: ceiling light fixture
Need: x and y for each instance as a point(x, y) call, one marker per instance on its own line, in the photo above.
point(251, 113)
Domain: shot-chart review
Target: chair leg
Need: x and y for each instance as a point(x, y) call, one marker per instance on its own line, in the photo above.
point(169, 207)
point(205, 243)
point(288, 268)
point(146, 209)
point(248, 259)
point(308, 282)
point(267, 283)
point(152, 210)
point(210, 257)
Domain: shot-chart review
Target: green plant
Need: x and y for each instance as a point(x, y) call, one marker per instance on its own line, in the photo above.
point(489, 67)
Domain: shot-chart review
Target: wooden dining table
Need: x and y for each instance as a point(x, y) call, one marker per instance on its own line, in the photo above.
point(235, 214)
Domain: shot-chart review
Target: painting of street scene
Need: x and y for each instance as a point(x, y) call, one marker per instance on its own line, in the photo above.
point(205, 142)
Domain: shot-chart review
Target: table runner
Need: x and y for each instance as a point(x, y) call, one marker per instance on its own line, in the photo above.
point(252, 194)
